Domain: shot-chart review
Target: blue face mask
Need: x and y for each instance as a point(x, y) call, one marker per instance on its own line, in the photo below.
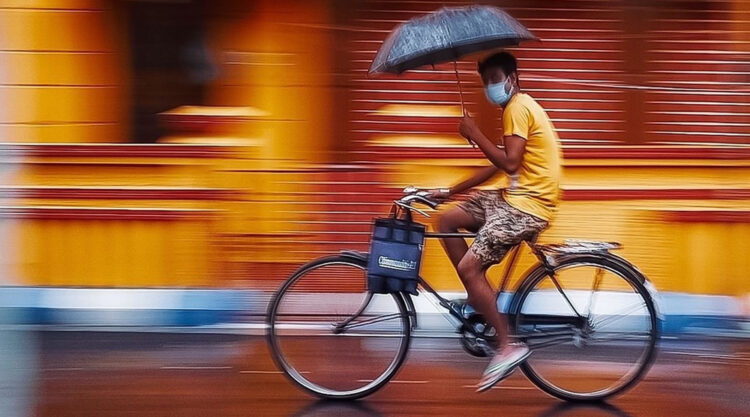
point(496, 93)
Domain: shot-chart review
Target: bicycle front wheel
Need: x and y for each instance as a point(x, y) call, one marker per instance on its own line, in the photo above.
point(331, 336)
point(592, 326)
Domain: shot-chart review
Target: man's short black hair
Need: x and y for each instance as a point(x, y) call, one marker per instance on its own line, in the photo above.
point(503, 60)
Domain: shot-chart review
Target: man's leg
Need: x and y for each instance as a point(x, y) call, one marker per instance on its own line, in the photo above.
point(505, 227)
point(481, 295)
point(451, 222)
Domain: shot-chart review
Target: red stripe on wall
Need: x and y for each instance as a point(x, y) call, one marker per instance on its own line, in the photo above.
point(113, 150)
point(118, 193)
point(82, 213)
point(597, 152)
point(644, 194)
point(656, 194)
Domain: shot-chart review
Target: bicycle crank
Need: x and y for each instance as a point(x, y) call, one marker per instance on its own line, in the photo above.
point(480, 340)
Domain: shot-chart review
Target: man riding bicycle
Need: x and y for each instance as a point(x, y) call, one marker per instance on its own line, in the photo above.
point(503, 218)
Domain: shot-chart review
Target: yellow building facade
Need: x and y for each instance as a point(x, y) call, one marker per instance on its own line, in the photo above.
point(263, 175)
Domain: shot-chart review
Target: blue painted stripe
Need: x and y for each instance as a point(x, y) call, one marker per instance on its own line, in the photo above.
point(200, 307)
point(123, 307)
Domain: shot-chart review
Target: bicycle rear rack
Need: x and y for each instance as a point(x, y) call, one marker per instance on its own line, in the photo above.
point(570, 246)
point(547, 254)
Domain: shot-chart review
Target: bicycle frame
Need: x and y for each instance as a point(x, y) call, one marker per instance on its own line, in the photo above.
point(577, 321)
point(568, 323)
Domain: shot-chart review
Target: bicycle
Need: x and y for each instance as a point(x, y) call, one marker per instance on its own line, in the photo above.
point(568, 308)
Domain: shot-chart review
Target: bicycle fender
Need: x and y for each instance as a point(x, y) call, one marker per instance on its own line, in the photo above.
point(355, 254)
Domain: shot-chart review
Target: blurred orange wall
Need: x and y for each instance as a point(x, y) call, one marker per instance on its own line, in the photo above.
point(63, 72)
point(244, 209)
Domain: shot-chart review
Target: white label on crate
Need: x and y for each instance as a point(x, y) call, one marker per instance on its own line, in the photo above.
point(400, 265)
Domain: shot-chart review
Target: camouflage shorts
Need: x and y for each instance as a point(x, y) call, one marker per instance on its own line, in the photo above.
point(503, 226)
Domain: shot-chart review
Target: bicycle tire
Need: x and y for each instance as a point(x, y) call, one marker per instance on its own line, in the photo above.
point(625, 270)
point(294, 375)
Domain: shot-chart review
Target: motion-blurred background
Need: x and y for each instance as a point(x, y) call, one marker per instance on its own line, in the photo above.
point(220, 144)
point(164, 165)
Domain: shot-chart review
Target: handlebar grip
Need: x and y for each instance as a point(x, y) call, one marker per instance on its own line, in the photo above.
point(433, 204)
point(415, 194)
point(421, 199)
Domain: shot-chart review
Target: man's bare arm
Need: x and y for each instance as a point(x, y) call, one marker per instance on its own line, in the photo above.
point(508, 159)
point(480, 177)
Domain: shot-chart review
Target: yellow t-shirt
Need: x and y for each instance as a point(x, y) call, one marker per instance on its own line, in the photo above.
point(537, 189)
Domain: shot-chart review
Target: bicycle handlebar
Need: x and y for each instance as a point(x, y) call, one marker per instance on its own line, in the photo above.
point(412, 195)
point(421, 197)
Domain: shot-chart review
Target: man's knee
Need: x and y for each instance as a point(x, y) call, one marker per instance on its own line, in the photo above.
point(447, 224)
point(469, 268)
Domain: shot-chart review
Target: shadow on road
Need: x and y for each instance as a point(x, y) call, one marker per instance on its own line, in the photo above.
point(327, 408)
point(584, 409)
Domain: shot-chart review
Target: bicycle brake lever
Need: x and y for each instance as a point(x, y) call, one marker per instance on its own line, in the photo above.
point(410, 190)
point(408, 207)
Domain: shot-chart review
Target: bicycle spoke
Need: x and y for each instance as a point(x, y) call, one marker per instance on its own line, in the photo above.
point(353, 324)
point(540, 339)
point(551, 320)
point(618, 336)
point(326, 331)
point(595, 287)
point(361, 309)
point(546, 333)
point(556, 341)
point(613, 318)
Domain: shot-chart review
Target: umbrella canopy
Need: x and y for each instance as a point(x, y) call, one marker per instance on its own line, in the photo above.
point(446, 35)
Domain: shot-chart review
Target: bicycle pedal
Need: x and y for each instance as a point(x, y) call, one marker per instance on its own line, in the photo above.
point(460, 307)
point(454, 306)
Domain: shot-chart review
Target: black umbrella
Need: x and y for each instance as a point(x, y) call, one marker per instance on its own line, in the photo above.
point(446, 35)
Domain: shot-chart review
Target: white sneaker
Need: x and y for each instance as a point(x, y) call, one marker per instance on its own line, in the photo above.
point(502, 365)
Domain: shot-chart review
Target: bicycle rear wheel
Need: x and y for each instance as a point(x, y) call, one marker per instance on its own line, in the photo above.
point(333, 338)
point(592, 327)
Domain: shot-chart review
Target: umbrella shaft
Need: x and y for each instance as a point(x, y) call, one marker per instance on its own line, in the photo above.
point(461, 96)
point(460, 91)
